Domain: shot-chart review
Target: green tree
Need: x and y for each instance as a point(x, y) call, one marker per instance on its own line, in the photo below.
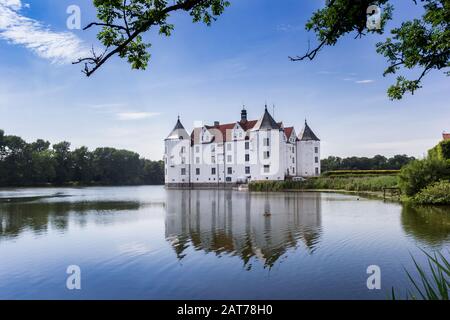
point(422, 44)
point(40, 145)
point(83, 170)
point(64, 164)
point(420, 173)
point(112, 166)
point(378, 162)
point(123, 22)
point(23, 164)
point(14, 161)
point(43, 168)
point(2, 143)
point(398, 161)
point(441, 151)
point(153, 172)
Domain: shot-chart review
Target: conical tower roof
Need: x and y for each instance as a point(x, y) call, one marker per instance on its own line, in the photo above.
point(266, 122)
point(307, 134)
point(178, 132)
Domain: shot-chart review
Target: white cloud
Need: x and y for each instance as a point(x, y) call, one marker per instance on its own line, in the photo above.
point(127, 116)
point(58, 47)
point(289, 27)
point(13, 4)
point(365, 81)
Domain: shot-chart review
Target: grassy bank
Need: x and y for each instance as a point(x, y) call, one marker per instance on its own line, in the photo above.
point(372, 183)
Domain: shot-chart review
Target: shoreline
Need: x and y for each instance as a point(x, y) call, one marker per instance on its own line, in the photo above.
point(374, 194)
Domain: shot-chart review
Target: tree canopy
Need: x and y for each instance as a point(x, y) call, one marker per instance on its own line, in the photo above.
point(422, 44)
point(377, 162)
point(31, 164)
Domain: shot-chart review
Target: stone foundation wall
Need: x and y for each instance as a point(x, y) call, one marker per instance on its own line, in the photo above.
point(201, 185)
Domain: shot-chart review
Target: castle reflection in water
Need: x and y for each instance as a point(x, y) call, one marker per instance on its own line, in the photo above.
point(248, 225)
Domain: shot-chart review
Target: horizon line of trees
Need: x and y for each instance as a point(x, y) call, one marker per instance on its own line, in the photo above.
point(377, 162)
point(40, 163)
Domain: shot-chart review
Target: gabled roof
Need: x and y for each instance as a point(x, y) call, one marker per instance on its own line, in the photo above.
point(178, 132)
point(221, 132)
point(288, 132)
point(307, 134)
point(248, 125)
point(267, 122)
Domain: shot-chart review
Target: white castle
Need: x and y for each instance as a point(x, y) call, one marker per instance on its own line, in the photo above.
point(239, 152)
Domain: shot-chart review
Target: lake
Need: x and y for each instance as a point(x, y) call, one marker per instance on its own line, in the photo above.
point(151, 243)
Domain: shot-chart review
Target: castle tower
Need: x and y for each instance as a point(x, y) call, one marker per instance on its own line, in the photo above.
point(268, 141)
point(177, 156)
point(308, 153)
point(244, 118)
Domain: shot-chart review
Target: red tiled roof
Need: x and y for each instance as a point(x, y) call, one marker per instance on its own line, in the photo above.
point(446, 136)
point(248, 125)
point(288, 131)
point(222, 132)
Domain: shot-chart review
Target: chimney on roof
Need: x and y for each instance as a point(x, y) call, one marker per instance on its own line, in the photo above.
point(244, 115)
point(216, 123)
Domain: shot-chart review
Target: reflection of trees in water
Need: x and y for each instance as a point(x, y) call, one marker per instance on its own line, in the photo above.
point(247, 225)
point(38, 217)
point(428, 224)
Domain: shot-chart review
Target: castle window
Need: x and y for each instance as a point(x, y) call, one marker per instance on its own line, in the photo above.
point(266, 154)
point(183, 171)
point(213, 171)
point(317, 171)
point(247, 170)
point(247, 158)
point(230, 170)
point(293, 160)
point(197, 160)
point(266, 142)
point(197, 171)
point(229, 159)
point(247, 145)
point(317, 159)
point(316, 149)
point(266, 169)
point(183, 149)
point(228, 146)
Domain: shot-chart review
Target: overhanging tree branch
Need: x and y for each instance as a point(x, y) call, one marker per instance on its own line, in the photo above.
point(142, 23)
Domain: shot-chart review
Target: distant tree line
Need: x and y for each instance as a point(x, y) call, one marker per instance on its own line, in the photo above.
point(39, 163)
point(378, 162)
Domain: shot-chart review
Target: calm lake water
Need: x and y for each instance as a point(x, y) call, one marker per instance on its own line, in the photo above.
point(152, 243)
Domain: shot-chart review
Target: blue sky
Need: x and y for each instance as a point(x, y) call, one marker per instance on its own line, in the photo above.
point(208, 73)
